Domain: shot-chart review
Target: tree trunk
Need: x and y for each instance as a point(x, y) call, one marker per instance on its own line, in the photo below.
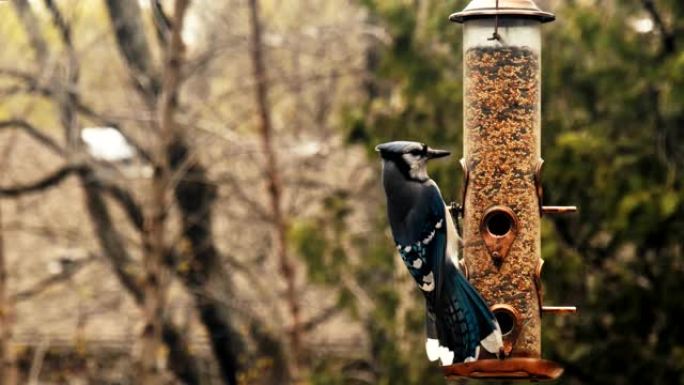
point(275, 188)
point(129, 30)
point(181, 360)
point(206, 277)
point(155, 272)
point(194, 195)
point(8, 368)
point(8, 374)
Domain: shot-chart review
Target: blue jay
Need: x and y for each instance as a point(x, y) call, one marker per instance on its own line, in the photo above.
point(458, 320)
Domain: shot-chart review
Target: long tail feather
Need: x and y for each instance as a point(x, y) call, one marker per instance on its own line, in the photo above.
point(432, 348)
point(490, 332)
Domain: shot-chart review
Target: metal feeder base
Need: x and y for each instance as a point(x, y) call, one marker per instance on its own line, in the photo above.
point(510, 369)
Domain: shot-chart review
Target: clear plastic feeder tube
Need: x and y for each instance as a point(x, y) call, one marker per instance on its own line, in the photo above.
point(502, 78)
point(502, 138)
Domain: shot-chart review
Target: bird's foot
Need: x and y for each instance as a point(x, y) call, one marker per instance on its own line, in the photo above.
point(501, 354)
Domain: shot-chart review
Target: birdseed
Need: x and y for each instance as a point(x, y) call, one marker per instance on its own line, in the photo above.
point(502, 136)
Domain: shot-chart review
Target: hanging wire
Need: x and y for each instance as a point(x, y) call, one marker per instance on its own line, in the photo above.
point(495, 35)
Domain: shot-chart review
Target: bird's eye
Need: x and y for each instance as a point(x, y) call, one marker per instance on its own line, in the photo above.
point(416, 152)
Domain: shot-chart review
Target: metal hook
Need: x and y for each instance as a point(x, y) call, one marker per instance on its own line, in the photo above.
point(495, 35)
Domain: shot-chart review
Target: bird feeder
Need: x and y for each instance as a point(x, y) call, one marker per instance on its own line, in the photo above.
point(502, 196)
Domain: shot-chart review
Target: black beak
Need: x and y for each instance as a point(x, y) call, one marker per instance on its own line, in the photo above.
point(433, 154)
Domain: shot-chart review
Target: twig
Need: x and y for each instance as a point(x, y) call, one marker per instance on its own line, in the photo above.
point(132, 43)
point(162, 24)
point(42, 184)
point(109, 238)
point(31, 26)
point(67, 97)
point(34, 85)
point(256, 208)
point(35, 133)
point(37, 362)
point(61, 24)
point(667, 36)
point(52, 280)
point(130, 206)
point(321, 318)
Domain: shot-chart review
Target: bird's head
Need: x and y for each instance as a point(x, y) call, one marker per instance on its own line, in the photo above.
point(410, 157)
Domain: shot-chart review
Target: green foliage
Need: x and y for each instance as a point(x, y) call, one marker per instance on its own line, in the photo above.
point(321, 241)
point(613, 114)
point(417, 91)
point(611, 127)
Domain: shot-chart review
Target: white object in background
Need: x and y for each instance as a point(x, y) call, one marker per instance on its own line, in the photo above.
point(642, 25)
point(107, 143)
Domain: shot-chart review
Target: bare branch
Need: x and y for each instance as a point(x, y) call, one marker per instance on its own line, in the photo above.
point(66, 274)
point(320, 318)
point(132, 42)
point(667, 36)
point(156, 275)
point(128, 203)
point(60, 23)
point(195, 196)
point(123, 197)
point(269, 296)
point(35, 133)
point(274, 184)
point(31, 26)
point(31, 81)
point(45, 183)
point(162, 24)
point(109, 238)
point(67, 96)
point(365, 302)
point(34, 85)
point(11, 90)
point(184, 366)
point(257, 210)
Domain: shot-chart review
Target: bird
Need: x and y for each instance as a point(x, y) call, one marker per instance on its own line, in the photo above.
point(458, 320)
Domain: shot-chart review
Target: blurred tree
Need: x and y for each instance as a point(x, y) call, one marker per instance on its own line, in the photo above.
point(8, 372)
point(188, 114)
point(192, 193)
point(273, 181)
point(613, 120)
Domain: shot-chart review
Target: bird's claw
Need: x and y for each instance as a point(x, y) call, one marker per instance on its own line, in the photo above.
point(501, 354)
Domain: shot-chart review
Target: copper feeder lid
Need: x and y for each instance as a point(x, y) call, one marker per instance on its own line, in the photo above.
point(484, 8)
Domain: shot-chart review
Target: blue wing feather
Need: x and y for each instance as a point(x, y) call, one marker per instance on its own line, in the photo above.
point(461, 317)
point(424, 254)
